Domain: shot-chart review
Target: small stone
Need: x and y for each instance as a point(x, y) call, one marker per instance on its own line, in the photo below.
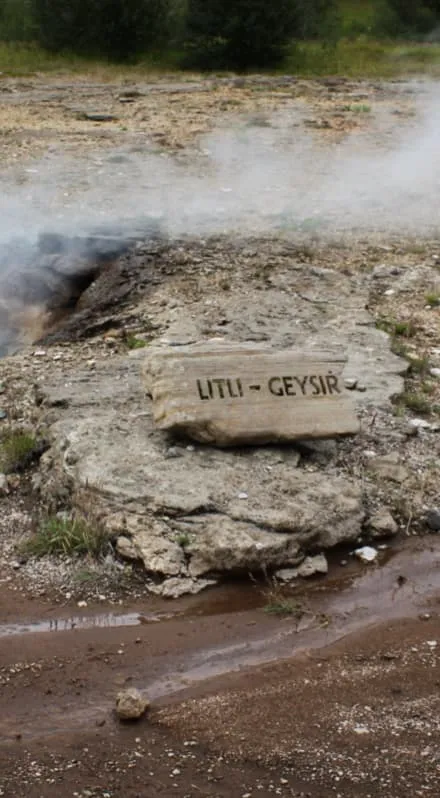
point(313, 565)
point(3, 484)
point(131, 704)
point(287, 574)
point(242, 496)
point(419, 423)
point(434, 372)
point(361, 387)
point(82, 604)
point(389, 467)
point(433, 520)
point(40, 353)
point(98, 117)
point(366, 554)
point(350, 384)
point(382, 524)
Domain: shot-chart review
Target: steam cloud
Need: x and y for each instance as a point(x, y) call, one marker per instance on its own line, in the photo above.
point(251, 178)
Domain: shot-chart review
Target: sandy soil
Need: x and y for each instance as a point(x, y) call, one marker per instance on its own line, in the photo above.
point(340, 699)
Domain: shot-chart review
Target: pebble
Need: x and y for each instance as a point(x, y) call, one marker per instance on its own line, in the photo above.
point(434, 372)
point(82, 604)
point(242, 496)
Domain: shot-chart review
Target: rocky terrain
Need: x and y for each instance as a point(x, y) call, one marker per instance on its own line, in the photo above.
point(174, 517)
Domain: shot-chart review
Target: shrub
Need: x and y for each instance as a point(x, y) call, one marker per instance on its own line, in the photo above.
point(17, 21)
point(406, 17)
point(117, 29)
point(238, 34)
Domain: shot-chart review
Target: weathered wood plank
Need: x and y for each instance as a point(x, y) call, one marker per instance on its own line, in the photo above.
point(237, 395)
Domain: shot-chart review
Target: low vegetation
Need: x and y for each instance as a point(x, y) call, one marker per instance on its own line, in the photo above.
point(66, 536)
point(18, 450)
point(313, 38)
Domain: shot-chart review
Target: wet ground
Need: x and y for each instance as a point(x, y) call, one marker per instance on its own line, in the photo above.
point(244, 700)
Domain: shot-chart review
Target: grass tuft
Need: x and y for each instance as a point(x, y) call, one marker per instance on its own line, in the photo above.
point(18, 450)
point(417, 402)
point(132, 342)
point(433, 300)
point(66, 536)
point(358, 108)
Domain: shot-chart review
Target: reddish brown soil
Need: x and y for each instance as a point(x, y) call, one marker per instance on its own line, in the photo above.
point(243, 703)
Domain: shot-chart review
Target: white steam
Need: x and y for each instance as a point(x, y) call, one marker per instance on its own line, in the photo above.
point(251, 179)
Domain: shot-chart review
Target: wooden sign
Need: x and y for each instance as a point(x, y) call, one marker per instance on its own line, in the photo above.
point(238, 395)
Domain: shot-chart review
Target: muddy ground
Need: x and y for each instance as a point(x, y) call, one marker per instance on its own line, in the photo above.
point(339, 696)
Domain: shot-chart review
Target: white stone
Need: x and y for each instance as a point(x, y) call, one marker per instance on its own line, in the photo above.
point(366, 554)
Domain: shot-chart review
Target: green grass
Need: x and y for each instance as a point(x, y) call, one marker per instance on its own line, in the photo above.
point(419, 365)
point(433, 300)
point(22, 58)
point(417, 402)
point(131, 342)
point(183, 539)
point(66, 536)
point(395, 328)
point(17, 450)
point(363, 57)
point(360, 57)
point(284, 607)
point(358, 108)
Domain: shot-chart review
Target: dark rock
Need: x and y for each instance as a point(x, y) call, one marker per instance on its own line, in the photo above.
point(433, 520)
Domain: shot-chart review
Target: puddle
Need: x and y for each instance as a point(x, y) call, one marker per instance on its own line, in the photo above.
point(399, 579)
point(102, 621)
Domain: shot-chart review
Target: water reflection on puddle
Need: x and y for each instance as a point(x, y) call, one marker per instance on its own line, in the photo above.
point(102, 621)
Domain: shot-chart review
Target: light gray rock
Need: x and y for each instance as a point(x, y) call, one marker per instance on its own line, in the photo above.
point(131, 704)
point(313, 565)
point(389, 467)
point(382, 524)
point(287, 574)
point(103, 439)
point(175, 587)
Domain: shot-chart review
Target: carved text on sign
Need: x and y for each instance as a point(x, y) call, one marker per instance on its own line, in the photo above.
point(231, 394)
point(235, 388)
